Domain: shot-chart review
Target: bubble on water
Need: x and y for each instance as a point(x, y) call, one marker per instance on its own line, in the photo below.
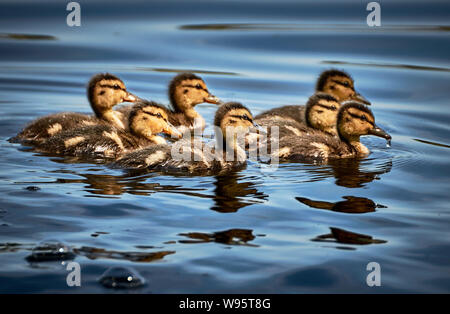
point(51, 250)
point(121, 278)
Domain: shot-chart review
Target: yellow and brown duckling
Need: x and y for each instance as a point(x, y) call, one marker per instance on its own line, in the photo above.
point(353, 121)
point(104, 92)
point(186, 90)
point(233, 122)
point(336, 83)
point(320, 114)
point(146, 120)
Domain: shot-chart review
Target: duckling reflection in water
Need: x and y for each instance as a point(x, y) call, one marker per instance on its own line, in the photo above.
point(233, 122)
point(230, 195)
point(104, 92)
point(186, 90)
point(352, 204)
point(230, 237)
point(353, 121)
point(347, 237)
point(146, 120)
point(336, 83)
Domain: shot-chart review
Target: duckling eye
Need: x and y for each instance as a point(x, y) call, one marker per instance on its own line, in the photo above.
point(333, 107)
point(159, 115)
point(198, 86)
point(346, 84)
point(364, 118)
point(116, 86)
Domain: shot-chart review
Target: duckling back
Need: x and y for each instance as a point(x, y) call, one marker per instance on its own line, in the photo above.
point(99, 141)
point(315, 146)
point(43, 128)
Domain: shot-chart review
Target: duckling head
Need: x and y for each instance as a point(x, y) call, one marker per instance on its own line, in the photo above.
point(105, 91)
point(321, 112)
point(186, 90)
point(148, 119)
point(339, 84)
point(354, 120)
point(234, 123)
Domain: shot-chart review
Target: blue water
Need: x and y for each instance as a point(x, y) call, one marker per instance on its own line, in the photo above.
point(248, 231)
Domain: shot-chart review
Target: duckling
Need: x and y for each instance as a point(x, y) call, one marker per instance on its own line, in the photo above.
point(320, 115)
point(104, 92)
point(233, 121)
point(353, 121)
point(338, 84)
point(186, 90)
point(146, 120)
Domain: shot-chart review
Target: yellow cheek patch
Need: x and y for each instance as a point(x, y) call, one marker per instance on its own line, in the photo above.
point(55, 128)
point(73, 141)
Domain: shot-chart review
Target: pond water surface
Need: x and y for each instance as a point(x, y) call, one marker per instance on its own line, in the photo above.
point(302, 228)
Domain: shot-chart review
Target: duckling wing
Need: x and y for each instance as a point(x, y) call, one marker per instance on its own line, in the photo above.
point(45, 127)
point(310, 147)
point(150, 157)
point(91, 141)
point(294, 112)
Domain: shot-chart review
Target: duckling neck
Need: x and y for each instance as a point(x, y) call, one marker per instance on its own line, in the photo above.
point(192, 114)
point(113, 117)
point(360, 149)
point(234, 152)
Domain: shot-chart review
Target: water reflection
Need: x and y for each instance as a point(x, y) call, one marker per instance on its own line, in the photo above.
point(351, 174)
point(141, 257)
point(229, 237)
point(231, 195)
point(347, 237)
point(351, 205)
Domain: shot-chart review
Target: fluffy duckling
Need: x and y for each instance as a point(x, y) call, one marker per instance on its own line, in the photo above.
point(104, 92)
point(233, 122)
point(146, 120)
point(353, 121)
point(320, 114)
point(186, 90)
point(334, 82)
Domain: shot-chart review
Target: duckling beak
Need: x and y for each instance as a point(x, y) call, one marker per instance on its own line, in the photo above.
point(361, 98)
point(377, 131)
point(130, 98)
point(172, 131)
point(212, 99)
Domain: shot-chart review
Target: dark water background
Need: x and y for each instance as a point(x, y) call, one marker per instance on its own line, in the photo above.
point(249, 231)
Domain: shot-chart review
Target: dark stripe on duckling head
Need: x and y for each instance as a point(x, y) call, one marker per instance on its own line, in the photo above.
point(314, 100)
point(357, 105)
point(140, 107)
point(113, 86)
point(97, 78)
point(198, 86)
point(345, 84)
point(325, 75)
point(225, 108)
point(176, 81)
